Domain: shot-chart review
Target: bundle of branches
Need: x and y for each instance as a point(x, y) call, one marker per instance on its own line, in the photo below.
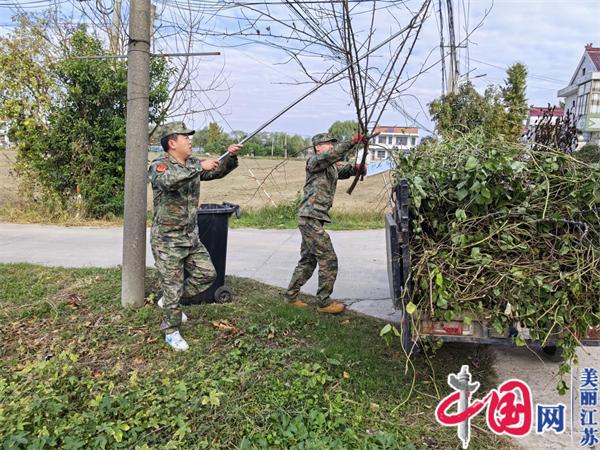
point(553, 132)
point(505, 234)
point(344, 34)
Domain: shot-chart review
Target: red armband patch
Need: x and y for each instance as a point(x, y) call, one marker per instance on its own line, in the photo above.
point(339, 164)
point(162, 167)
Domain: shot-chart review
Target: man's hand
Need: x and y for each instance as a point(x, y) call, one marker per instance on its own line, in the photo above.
point(234, 149)
point(361, 170)
point(209, 164)
point(359, 138)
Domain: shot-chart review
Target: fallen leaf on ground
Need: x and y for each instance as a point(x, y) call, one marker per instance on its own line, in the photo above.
point(224, 325)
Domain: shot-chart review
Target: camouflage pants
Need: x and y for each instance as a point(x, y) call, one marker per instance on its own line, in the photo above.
point(316, 249)
point(173, 263)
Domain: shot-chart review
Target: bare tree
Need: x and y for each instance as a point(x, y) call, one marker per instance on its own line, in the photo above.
point(340, 33)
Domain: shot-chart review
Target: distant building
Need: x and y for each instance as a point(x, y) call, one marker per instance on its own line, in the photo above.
point(582, 95)
point(391, 139)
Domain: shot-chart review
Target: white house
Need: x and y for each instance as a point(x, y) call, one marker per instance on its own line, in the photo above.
point(391, 139)
point(582, 95)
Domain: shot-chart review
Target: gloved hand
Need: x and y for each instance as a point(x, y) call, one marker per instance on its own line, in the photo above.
point(361, 170)
point(359, 138)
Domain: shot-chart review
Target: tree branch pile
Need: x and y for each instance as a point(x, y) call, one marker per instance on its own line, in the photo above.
point(505, 235)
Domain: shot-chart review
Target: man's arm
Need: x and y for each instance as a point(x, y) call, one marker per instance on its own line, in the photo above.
point(318, 163)
point(226, 165)
point(346, 170)
point(349, 170)
point(169, 178)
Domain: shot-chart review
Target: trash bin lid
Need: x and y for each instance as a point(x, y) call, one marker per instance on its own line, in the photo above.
point(215, 208)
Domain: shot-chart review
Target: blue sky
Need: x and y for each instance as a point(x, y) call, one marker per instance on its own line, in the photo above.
point(548, 36)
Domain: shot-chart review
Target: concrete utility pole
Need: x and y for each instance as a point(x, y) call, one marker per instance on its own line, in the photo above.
point(136, 158)
point(453, 73)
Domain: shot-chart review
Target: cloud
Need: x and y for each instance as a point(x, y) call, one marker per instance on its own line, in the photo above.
point(546, 35)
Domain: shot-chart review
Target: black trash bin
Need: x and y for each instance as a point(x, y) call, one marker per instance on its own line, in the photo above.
point(213, 227)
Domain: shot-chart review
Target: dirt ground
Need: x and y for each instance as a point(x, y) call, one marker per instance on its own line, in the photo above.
point(280, 181)
point(8, 180)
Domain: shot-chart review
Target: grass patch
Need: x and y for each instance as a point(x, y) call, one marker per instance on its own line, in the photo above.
point(79, 371)
point(35, 213)
point(285, 216)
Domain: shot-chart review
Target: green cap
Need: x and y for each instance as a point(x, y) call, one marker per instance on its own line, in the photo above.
point(175, 128)
point(323, 137)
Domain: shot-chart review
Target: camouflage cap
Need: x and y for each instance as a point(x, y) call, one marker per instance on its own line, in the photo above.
point(174, 128)
point(323, 137)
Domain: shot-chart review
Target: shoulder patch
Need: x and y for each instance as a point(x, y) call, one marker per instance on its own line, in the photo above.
point(162, 167)
point(339, 164)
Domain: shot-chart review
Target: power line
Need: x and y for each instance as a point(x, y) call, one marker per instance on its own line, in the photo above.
point(539, 77)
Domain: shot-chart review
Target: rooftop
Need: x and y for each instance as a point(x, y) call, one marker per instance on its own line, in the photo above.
point(397, 130)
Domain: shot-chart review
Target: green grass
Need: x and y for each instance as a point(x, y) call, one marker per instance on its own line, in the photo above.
point(79, 371)
point(285, 216)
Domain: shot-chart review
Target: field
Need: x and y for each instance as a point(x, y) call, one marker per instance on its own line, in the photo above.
point(8, 181)
point(281, 181)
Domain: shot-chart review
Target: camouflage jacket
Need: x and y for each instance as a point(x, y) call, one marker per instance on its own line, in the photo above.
point(176, 190)
point(322, 173)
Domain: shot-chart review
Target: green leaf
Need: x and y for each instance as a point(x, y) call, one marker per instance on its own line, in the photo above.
point(461, 194)
point(439, 279)
point(385, 330)
point(472, 163)
point(411, 308)
point(460, 214)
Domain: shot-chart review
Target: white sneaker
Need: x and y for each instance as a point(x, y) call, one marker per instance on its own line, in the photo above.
point(161, 303)
point(177, 342)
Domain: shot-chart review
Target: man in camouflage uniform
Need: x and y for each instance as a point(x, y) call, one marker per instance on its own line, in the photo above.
point(175, 177)
point(322, 172)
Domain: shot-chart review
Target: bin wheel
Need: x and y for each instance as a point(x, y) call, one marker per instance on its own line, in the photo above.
point(552, 353)
point(223, 295)
point(549, 350)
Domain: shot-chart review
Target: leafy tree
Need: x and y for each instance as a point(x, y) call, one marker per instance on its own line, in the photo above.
point(213, 139)
point(81, 146)
point(458, 113)
point(343, 129)
point(296, 144)
point(27, 79)
point(499, 112)
point(515, 101)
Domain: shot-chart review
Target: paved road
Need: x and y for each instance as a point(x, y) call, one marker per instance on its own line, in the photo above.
point(270, 256)
point(264, 255)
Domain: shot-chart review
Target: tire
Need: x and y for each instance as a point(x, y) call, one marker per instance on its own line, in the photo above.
point(552, 353)
point(223, 295)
